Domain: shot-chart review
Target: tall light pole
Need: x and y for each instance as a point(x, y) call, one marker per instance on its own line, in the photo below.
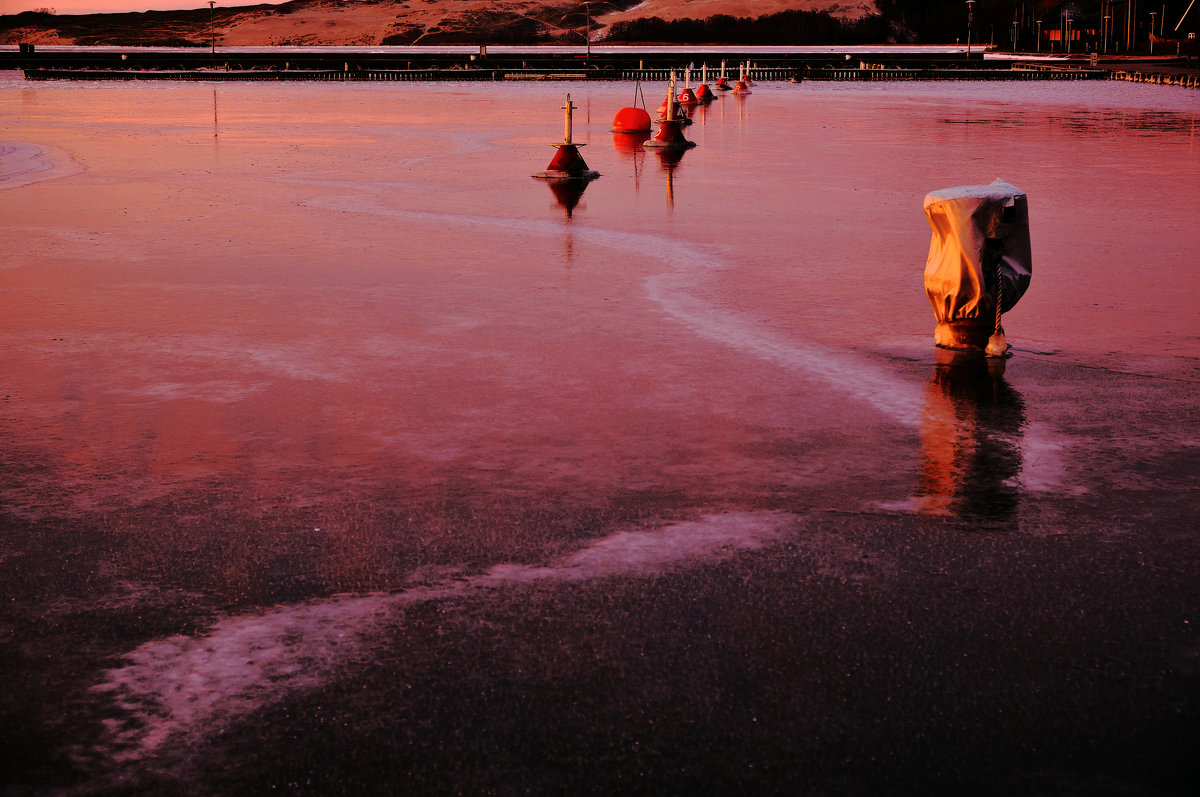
point(1153, 14)
point(212, 32)
point(970, 22)
point(1107, 29)
point(587, 32)
point(1039, 35)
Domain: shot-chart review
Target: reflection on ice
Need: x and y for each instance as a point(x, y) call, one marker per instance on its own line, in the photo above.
point(567, 193)
point(971, 438)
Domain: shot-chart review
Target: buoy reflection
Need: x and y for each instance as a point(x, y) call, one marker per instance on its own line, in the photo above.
point(567, 193)
point(971, 439)
point(669, 160)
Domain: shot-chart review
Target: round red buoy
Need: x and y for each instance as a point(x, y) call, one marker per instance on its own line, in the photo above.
point(631, 120)
point(741, 88)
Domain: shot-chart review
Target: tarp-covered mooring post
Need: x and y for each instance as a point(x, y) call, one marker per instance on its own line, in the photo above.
point(979, 262)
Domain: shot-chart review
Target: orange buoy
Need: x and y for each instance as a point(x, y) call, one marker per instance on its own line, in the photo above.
point(631, 120)
point(567, 163)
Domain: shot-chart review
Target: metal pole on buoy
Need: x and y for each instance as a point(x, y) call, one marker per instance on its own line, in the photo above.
point(703, 92)
point(567, 123)
point(687, 96)
point(722, 84)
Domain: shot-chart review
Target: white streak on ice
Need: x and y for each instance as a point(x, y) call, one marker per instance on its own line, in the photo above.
point(895, 398)
point(181, 688)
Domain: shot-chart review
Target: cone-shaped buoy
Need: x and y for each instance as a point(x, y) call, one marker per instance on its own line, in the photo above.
point(670, 131)
point(681, 114)
point(567, 163)
point(741, 88)
point(703, 93)
point(687, 97)
point(722, 84)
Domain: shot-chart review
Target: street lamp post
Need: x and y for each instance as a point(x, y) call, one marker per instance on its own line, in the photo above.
point(1014, 35)
point(1153, 14)
point(970, 22)
point(212, 33)
point(1039, 35)
point(1107, 28)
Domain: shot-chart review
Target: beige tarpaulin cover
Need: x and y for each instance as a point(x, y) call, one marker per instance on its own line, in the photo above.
point(977, 231)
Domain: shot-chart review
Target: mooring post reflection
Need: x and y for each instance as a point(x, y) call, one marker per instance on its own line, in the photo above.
point(970, 439)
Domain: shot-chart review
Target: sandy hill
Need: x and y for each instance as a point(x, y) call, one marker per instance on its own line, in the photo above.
point(372, 22)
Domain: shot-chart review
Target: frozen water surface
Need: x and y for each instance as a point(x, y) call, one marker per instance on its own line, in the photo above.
point(264, 345)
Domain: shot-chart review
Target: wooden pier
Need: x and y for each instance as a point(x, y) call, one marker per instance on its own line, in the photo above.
point(760, 74)
point(511, 63)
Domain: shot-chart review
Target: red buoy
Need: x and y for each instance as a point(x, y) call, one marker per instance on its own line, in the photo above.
point(567, 163)
point(670, 130)
point(741, 88)
point(631, 120)
point(681, 114)
point(703, 93)
point(688, 97)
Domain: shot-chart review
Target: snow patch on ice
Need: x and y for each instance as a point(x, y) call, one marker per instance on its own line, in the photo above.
point(184, 687)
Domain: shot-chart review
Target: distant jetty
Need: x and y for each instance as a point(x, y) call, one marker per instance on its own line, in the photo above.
point(614, 62)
